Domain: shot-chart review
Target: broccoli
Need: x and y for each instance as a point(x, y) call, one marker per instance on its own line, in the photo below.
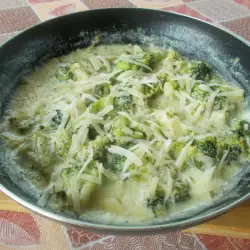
point(100, 104)
point(181, 191)
point(242, 128)
point(157, 89)
point(124, 65)
point(207, 146)
point(115, 162)
point(86, 103)
point(66, 73)
point(175, 149)
point(155, 201)
point(102, 90)
point(157, 205)
point(92, 134)
point(219, 102)
point(120, 122)
point(123, 102)
point(232, 143)
point(198, 93)
point(149, 59)
point(57, 119)
point(174, 83)
point(99, 146)
point(171, 113)
point(198, 164)
point(202, 72)
point(75, 72)
point(58, 201)
point(63, 74)
point(152, 60)
point(162, 78)
point(138, 133)
point(117, 128)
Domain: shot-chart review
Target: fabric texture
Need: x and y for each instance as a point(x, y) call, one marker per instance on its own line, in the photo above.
point(27, 231)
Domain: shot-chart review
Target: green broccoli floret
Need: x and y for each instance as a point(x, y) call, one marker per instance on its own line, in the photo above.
point(66, 73)
point(102, 90)
point(100, 104)
point(163, 77)
point(202, 72)
point(124, 65)
point(170, 113)
point(152, 92)
point(152, 60)
point(92, 134)
point(124, 102)
point(63, 74)
point(181, 191)
point(115, 162)
point(219, 102)
point(155, 201)
point(207, 146)
point(120, 122)
point(235, 146)
point(198, 164)
point(157, 205)
point(149, 59)
point(242, 128)
point(155, 90)
point(138, 133)
point(57, 119)
point(117, 128)
point(87, 103)
point(176, 148)
point(100, 145)
point(198, 93)
point(58, 201)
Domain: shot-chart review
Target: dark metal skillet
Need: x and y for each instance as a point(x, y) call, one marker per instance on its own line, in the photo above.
point(190, 36)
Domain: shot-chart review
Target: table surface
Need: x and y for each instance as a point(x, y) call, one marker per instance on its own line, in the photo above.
point(19, 229)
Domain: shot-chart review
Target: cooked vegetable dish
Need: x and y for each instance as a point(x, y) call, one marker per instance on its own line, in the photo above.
point(125, 131)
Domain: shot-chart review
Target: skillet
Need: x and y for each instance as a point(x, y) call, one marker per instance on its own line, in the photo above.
point(193, 38)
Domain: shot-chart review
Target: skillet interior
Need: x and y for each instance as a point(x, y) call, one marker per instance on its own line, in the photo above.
point(191, 37)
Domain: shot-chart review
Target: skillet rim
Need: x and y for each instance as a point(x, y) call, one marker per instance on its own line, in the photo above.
point(125, 228)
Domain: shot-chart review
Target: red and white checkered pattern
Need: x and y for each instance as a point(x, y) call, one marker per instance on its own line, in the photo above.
point(25, 231)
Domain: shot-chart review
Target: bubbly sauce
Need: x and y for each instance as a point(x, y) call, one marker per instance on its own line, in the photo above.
point(124, 133)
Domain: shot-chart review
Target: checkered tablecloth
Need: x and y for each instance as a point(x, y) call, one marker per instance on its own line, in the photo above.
point(26, 231)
